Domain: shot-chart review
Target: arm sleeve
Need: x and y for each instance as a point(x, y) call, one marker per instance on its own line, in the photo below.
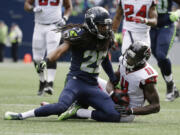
point(107, 66)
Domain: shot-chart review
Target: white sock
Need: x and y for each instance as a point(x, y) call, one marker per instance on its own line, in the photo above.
point(84, 113)
point(41, 77)
point(168, 78)
point(51, 75)
point(28, 114)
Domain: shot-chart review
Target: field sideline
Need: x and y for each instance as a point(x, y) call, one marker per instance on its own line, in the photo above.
point(18, 89)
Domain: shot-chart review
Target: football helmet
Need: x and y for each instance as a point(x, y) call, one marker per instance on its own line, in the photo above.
point(98, 22)
point(136, 55)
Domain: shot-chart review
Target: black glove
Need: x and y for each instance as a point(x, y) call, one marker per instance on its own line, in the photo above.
point(120, 98)
point(124, 110)
point(41, 66)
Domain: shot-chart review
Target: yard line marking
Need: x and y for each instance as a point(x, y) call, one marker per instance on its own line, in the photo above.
point(12, 133)
point(19, 105)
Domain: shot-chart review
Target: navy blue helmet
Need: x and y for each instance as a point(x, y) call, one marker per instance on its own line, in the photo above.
point(98, 22)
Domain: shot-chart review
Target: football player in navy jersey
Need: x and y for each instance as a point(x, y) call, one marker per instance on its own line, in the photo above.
point(162, 38)
point(89, 44)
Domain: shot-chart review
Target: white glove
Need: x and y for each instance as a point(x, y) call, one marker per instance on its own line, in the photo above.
point(62, 22)
point(37, 9)
point(139, 19)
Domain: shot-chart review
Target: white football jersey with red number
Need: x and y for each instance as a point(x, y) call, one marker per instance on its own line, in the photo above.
point(51, 11)
point(133, 8)
point(133, 80)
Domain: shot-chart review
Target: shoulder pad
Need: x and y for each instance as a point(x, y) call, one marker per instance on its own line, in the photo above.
point(73, 33)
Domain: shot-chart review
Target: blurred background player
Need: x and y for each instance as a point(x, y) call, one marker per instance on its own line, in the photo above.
point(48, 14)
point(3, 39)
point(89, 44)
point(137, 78)
point(162, 38)
point(138, 17)
point(15, 38)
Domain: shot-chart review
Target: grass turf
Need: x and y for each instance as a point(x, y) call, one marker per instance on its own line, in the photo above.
point(18, 93)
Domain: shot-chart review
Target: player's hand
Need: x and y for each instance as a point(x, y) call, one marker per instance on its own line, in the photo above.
point(124, 110)
point(120, 98)
point(175, 15)
point(139, 19)
point(118, 37)
point(37, 9)
point(41, 66)
point(61, 23)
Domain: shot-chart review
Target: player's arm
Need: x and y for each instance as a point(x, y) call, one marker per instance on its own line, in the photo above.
point(152, 20)
point(64, 47)
point(107, 66)
point(151, 95)
point(68, 8)
point(28, 5)
point(110, 86)
point(117, 18)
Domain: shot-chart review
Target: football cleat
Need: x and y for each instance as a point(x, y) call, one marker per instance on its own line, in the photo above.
point(71, 112)
point(41, 88)
point(172, 92)
point(49, 88)
point(12, 116)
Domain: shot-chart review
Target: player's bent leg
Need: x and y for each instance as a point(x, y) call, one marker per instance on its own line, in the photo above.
point(101, 116)
point(71, 112)
point(105, 107)
point(42, 82)
point(67, 97)
point(51, 71)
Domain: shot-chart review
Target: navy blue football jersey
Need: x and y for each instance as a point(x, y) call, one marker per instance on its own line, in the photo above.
point(163, 9)
point(87, 54)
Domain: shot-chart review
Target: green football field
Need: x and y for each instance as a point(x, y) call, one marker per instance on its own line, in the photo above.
point(18, 93)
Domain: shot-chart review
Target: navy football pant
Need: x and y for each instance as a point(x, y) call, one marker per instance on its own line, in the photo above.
point(161, 41)
point(76, 89)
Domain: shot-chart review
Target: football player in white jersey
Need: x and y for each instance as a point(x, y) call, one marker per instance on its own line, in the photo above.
point(137, 16)
point(48, 14)
point(137, 78)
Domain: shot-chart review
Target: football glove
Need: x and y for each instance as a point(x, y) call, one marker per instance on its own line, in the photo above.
point(120, 98)
point(123, 110)
point(139, 19)
point(118, 37)
point(175, 15)
point(62, 22)
point(41, 66)
point(37, 9)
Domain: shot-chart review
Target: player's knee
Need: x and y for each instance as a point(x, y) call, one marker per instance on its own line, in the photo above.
point(61, 107)
point(163, 62)
point(113, 117)
point(160, 57)
point(51, 65)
